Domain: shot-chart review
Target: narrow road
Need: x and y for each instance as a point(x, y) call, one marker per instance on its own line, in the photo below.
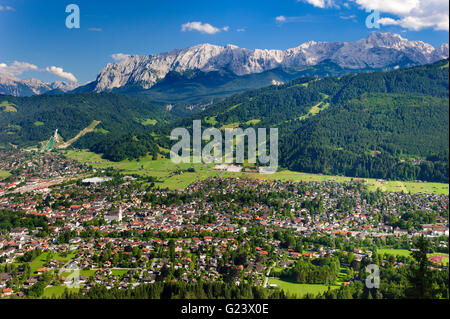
point(266, 281)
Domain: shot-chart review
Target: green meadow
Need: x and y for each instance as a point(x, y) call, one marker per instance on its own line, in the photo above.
point(56, 291)
point(42, 259)
point(149, 122)
point(4, 174)
point(300, 290)
point(119, 272)
point(394, 252)
point(316, 109)
point(5, 106)
point(373, 184)
point(404, 252)
point(174, 176)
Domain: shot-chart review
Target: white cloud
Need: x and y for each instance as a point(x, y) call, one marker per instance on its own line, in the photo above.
point(320, 3)
point(202, 27)
point(306, 19)
point(17, 68)
point(241, 30)
point(411, 14)
point(120, 56)
point(60, 72)
point(7, 8)
point(397, 7)
point(350, 17)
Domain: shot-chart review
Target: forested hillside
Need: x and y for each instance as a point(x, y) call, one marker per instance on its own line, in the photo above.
point(28, 121)
point(391, 125)
point(377, 135)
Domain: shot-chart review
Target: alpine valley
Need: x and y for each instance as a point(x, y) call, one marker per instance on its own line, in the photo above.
point(329, 174)
point(377, 107)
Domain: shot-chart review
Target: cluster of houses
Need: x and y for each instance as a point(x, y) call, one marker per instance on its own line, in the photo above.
point(38, 171)
point(217, 213)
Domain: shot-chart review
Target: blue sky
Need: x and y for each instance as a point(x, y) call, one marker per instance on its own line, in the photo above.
point(34, 35)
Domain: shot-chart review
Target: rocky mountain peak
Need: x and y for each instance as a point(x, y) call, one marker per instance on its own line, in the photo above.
point(378, 50)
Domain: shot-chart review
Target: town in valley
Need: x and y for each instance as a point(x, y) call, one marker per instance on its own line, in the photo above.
point(117, 232)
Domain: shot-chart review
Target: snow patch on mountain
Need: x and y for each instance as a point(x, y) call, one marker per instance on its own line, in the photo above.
point(378, 50)
point(10, 85)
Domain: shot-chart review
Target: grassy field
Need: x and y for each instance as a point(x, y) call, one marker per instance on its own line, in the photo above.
point(373, 184)
point(56, 291)
point(404, 252)
point(409, 187)
point(119, 272)
point(230, 125)
point(165, 170)
point(211, 120)
point(300, 290)
point(253, 122)
point(149, 122)
point(395, 252)
point(316, 109)
point(42, 260)
point(162, 169)
point(4, 174)
point(5, 106)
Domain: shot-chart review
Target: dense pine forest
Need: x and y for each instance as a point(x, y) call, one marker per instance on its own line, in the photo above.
point(201, 290)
